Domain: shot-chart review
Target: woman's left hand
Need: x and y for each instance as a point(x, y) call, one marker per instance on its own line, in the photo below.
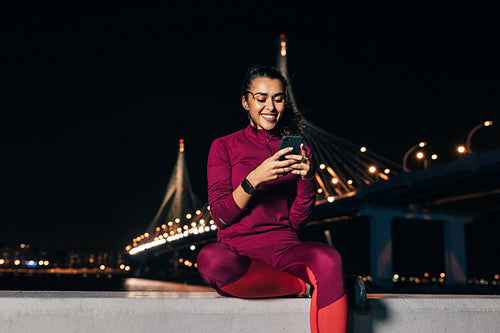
point(303, 166)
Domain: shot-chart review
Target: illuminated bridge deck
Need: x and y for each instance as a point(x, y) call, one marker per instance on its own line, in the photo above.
point(78, 311)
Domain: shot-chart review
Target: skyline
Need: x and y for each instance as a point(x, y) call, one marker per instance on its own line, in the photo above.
point(98, 100)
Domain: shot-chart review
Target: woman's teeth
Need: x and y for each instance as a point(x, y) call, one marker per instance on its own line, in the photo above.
point(268, 117)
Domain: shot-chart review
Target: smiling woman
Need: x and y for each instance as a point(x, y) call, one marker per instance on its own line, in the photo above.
point(259, 202)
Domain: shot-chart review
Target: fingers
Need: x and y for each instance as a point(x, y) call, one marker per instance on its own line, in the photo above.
point(299, 158)
point(303, 173)
point(280, 153)
point(300, 172)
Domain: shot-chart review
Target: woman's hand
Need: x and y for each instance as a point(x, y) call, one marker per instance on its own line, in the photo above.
point(272, 168)
point(301, 165)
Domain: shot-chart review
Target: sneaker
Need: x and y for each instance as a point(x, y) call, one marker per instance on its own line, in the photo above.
point(356, 293)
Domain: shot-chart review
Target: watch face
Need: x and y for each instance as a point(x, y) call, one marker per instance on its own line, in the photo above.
point(247, 187)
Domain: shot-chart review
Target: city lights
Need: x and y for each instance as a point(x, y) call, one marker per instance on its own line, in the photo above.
point(31, 263)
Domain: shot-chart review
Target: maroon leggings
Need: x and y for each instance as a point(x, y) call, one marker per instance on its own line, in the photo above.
point(221, 265)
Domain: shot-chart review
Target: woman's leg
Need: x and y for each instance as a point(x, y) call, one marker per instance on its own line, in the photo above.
point(321, 265)
point(232, 274)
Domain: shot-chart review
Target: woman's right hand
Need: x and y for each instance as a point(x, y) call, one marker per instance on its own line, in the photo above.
point(272, 168)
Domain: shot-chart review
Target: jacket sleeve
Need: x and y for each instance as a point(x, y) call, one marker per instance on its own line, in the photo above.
point(305, 200)
point(223, 208)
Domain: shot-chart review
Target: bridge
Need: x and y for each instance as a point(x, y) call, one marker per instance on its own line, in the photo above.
point(353, 182)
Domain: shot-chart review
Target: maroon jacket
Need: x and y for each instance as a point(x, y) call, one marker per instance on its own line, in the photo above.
point(275, 212)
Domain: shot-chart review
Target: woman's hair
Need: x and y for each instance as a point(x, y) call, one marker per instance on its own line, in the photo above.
point(291, 122)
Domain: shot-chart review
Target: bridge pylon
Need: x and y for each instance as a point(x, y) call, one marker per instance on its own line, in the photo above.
point(180, 206)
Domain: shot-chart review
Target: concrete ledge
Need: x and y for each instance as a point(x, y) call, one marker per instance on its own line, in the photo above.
point(70, 311)
point(62, 311)
point(428, 313)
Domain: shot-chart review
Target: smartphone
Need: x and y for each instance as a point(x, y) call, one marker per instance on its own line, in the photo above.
point(293, 141)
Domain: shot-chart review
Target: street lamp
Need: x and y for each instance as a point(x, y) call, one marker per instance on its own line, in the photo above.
point(474, 130)
point(409, 151)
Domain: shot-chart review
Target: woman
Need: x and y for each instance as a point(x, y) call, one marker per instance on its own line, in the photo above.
point(259, 202)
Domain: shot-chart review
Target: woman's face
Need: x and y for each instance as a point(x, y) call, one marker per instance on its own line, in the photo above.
point(265, 101)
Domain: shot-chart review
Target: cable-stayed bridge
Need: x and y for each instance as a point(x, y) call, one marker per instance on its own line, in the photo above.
point(352, 181)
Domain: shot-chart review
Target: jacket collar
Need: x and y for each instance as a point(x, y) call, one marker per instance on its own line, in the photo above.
point(261, 133)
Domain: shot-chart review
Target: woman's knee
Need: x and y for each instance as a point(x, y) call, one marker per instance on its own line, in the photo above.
point(206, 253)
point(324, 255)
point(334, 258)
point(211, 256)
point(219, 265)
point(325, 262)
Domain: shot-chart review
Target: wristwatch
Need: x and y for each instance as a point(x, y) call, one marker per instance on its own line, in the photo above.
point(248, 187)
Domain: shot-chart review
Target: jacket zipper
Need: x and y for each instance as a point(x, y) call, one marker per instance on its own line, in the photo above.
point(269, 151)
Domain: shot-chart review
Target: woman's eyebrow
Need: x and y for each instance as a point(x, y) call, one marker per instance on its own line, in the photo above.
point(266, 94)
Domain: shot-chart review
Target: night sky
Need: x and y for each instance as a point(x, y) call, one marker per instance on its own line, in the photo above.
point(95, 98)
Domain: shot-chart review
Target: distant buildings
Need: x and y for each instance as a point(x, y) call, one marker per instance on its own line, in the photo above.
point(23, 256)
